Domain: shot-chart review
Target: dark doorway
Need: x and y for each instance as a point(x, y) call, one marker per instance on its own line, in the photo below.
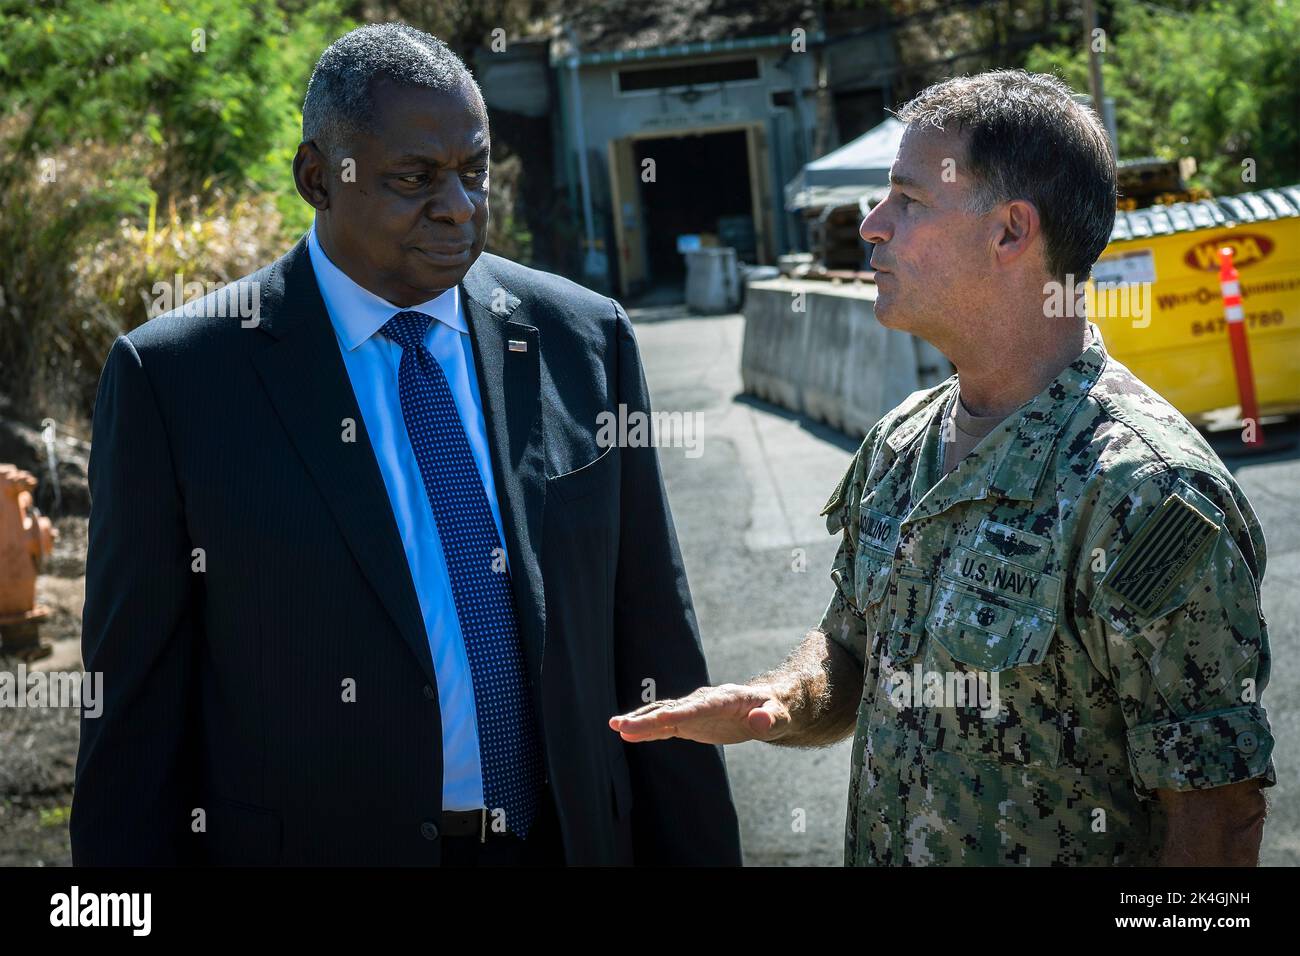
point(701, 185)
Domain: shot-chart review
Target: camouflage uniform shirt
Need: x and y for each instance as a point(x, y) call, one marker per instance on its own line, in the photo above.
point(1095, 565)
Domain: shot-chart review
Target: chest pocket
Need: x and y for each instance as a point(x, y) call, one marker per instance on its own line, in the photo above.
point(986, 629)
point(867, 582)
point(990, 626)
point(894, 597)
point(873, 561)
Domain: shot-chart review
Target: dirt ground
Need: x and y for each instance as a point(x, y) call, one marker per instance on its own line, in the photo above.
point(38, 746)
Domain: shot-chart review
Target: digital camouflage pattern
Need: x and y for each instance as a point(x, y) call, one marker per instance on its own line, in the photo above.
point(1095, 557)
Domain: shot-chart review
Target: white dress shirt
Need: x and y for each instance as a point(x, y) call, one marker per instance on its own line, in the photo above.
point(372, 361)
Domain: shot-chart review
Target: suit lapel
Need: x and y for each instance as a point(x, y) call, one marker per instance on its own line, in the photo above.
point(510, 385)
point(307, 382)
point(304, 375)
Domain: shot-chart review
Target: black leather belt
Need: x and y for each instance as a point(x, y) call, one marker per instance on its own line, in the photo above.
point(465, 823)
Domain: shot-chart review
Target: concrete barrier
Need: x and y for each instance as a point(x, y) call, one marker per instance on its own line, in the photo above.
point(826, 356)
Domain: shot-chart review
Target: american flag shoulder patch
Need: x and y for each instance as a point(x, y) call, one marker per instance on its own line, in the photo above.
point(1170, 539)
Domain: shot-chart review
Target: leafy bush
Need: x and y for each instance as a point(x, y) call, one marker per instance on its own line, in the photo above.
point(216, 87)
point(1216, 83)
point(47, 211)
point(110, 111)
point(68, 295)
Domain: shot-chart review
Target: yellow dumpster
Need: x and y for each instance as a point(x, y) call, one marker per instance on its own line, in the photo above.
point(1155, 295)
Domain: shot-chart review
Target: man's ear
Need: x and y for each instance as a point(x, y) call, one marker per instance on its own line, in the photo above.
point(310, 176)
point(1017, 228)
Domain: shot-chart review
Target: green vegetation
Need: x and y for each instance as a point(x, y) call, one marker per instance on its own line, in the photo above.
point(112, 115)
point(143, 138)
point(1219, 83)
point(55, 816)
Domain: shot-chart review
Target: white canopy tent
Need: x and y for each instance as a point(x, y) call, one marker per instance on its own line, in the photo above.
point(857, 171)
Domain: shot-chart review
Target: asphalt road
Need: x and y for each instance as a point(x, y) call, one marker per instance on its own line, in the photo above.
point(746, 504)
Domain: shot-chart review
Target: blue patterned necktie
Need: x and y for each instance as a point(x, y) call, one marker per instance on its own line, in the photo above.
point(509, 747)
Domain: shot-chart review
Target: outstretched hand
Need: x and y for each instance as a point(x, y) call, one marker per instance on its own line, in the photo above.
point(726, 714)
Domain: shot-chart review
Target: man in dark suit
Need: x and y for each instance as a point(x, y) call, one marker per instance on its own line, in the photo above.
point(362, 581)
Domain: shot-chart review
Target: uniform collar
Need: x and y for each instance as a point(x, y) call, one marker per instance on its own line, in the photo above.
point(1011, 459)
point(357, 313)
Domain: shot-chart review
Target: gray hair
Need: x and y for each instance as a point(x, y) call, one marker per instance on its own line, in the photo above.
point(340, 102)
point(1030, 140)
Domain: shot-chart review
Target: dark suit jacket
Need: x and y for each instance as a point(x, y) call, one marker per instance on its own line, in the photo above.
point(224, 667)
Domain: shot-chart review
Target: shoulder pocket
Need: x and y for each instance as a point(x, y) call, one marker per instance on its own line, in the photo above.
point(1160, 565)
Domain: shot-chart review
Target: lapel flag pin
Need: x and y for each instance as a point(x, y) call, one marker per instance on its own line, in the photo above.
point(517, 345)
